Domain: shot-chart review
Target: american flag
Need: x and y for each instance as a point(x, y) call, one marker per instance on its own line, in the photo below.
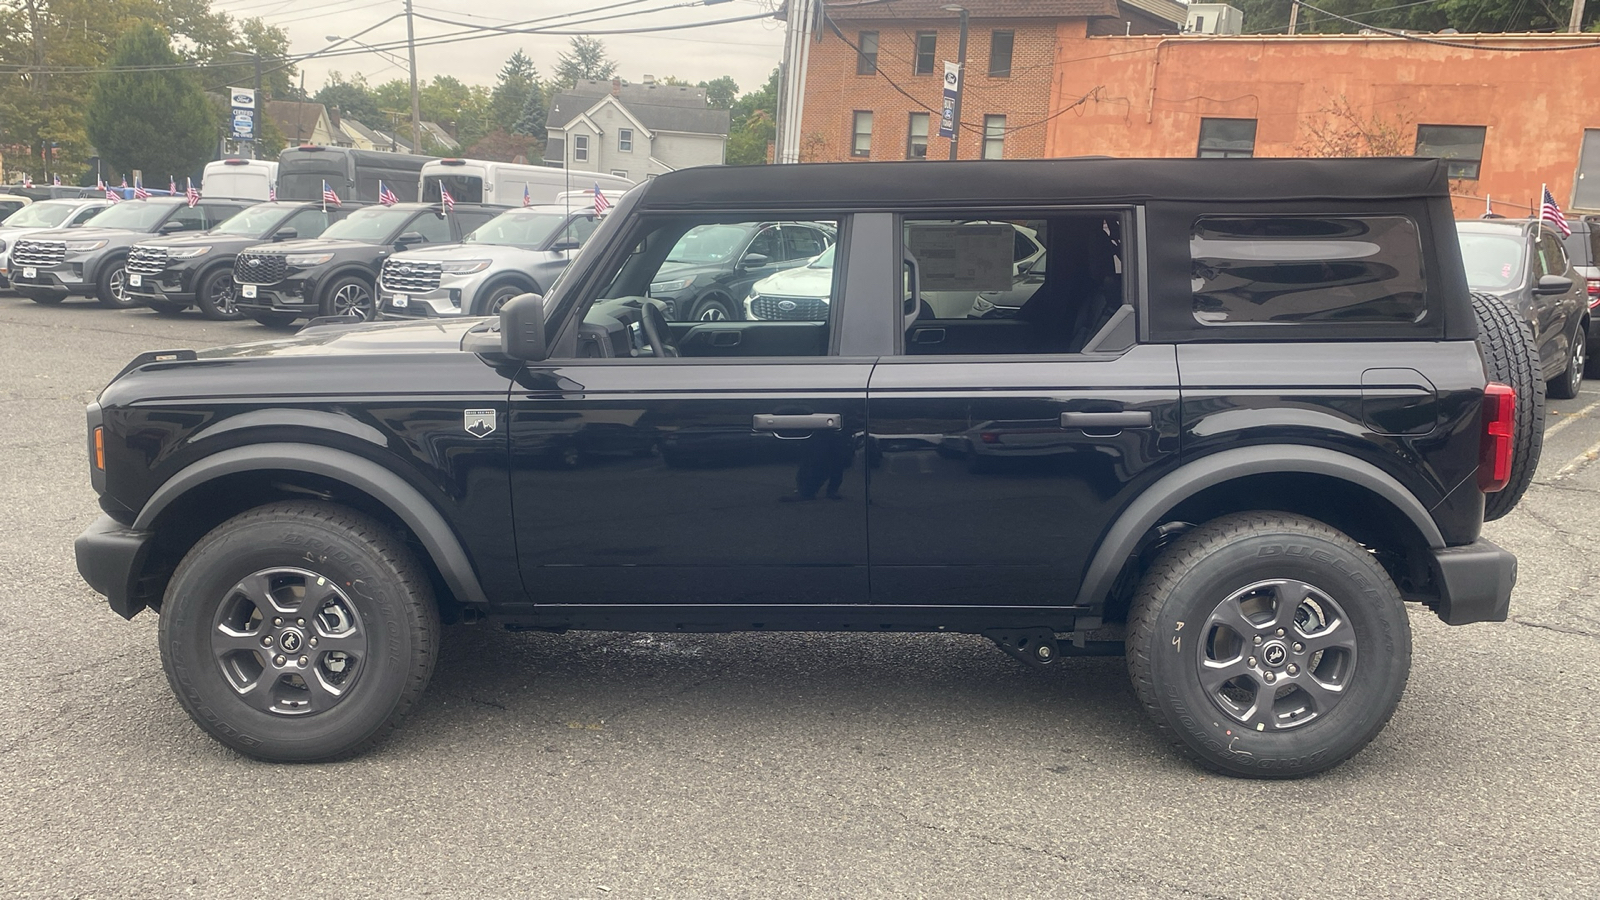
point(272, 193)
point(386, 196)
point(601, 204)
point(190, 192)
point(139, 193)
point(172, 185)
point(111, 192)
point(1551, 213)
point(527, 198)
point(449, 201)
point(57, 181)
point(124, 185)
point(328, 196)
point(27, 180)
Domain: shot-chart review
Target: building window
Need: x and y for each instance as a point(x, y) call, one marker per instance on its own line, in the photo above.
point(917, 137)
point(867, 53)
point(620, 173)
point(927, 43)
point(624, 140)
point(861, 139)
point(580, 148)
point(1000, 44)
point(1461, 146)
point(994, 137)
point(1227, 138)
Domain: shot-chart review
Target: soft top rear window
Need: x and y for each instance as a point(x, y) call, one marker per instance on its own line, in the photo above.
point(1287, 269)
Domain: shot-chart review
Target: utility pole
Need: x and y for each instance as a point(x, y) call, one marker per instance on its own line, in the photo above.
point(1294, 14)
point(1575, 24)
point(792, 80)
point(961, 82)
point(416, 100)
point(260, 110)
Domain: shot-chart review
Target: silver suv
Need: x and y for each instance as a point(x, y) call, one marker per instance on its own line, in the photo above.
point(517, 252)
point(43, 216)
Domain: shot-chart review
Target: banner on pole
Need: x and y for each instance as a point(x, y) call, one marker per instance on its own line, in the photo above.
point(952, 84)
point(243, 118)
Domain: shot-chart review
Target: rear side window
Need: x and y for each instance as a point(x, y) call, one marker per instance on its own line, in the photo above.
point(1288, 269)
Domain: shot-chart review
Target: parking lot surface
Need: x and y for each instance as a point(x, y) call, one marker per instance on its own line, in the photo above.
point(763, 765)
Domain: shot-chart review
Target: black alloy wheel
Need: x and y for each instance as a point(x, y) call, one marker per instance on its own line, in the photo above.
point(350, 296)
point(712, 309)
point(218, 296)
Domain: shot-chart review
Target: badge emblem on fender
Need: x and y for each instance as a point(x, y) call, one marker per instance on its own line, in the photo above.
point(478, 422)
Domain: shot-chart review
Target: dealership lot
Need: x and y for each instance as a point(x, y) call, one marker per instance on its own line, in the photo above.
point(602, 765)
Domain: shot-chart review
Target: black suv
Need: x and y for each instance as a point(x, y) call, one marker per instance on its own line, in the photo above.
point(1241, 423)
point(172, 274)
point(709, 272)
point(335, 275)
point(50, 266)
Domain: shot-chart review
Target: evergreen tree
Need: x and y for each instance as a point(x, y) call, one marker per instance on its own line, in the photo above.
point(158, 121)
point(586, 59)
point(518, 78)
point(534, 113)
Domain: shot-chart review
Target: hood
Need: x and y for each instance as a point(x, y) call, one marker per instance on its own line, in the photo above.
point(84, 234)
point(201, 239)
point(318, 245)
point(497, 253)
point(802, 282)
point(365, 339)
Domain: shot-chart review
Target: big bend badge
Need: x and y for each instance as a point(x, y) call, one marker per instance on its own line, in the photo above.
point(478, 422)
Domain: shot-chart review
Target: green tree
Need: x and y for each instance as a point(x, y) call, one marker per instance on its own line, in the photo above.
point(534, 113)
point(353, 98)
point(720, 92)
point(1468, 16)
point(158, 121)
point(753, 124)
point(518, 78)
point(586, 58)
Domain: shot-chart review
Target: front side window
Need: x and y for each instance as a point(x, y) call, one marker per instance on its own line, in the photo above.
point(308, 223)
point(624, 140)
point(1494, 260)
point(917, 136)
point(1227, 138)
point(867, 53)
point(432, 226)
point(861, 134)
point(927, 44)
point(1000, 45)
point(39, 215)
point(994, 137)
point(1290, 269)
point(1461, 146)
point(580, 148)
point(1552, 259)
point(192, 218)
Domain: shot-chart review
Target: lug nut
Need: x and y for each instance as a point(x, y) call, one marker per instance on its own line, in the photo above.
point(278, 621)
point(1270, 678)
point(313, 642)
point(1251, 662)
point(1280, 630)
point(279, 660)
point(302, 623)
point(1299, 647)
point(1043, 651)
point(303, 662)
point(266, 641)
point(1294, 669)
point(1258, 640)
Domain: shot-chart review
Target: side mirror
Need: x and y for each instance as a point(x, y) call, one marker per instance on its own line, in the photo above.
point(172, 227)
point(410, 238)
point(565, 245)
point(1553, 284)
point(522, 328)
point(753, 261)
point(285, 234)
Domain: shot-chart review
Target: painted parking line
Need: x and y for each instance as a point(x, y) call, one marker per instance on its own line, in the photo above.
point(1568, 418)
point(1576, 463)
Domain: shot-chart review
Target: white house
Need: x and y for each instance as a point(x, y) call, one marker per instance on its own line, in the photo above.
point(636, 131)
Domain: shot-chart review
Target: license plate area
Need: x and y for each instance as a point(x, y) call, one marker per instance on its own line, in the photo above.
point(247, 290)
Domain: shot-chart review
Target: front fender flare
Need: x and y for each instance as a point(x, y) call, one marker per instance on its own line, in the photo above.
point(383, 485)
point(1148, 510)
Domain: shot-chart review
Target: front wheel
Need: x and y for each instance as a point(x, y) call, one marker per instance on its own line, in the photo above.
point(298, 632)
point(713, 309)
point(350, 296)
point(497, 297)
point(218, 296)
point(1268, 645)
point(112, 288)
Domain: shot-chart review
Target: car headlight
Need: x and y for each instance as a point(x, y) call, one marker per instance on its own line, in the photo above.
point(188, 252)
point(667, 287)
point(464, 267)
point(302, 260)
point(82, 246)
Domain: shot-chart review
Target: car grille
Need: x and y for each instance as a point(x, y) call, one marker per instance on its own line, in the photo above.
point(38, 253)
point(805, 309)
point(259, 268)
point(147, 260)
point(405, 276)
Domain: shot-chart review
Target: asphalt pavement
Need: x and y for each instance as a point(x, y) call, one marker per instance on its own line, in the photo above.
point(762, 765)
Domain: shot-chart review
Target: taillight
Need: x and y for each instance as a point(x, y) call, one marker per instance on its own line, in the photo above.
point(1594, 292)
point(1499, 429)
point(100, 448)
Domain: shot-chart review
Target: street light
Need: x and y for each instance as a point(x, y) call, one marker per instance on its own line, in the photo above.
point(961, 78)
point(416, 100)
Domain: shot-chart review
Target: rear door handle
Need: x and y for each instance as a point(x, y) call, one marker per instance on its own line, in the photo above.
point(1136, 418)
point(811, 422)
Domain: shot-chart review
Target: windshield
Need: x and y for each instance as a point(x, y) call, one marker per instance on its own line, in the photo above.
point(255, 221)
point(517, 229)
point(708, 244)
point(1493, 261)
point(824, 259)
point(374, 224)
point(40, 215)
point(134, 215)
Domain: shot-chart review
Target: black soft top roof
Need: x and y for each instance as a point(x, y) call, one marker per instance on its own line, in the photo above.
point(1037, 182)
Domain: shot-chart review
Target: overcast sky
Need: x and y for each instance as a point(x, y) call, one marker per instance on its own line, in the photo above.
point(748, 51)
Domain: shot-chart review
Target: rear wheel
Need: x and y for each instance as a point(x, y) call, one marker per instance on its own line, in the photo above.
point(1268, 645)
point(290, 655)
point(218, 296)
point(1566, 385)
point(1510, 357)
point(112, 287)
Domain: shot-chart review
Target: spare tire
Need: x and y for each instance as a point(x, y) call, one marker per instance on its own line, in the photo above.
point(1511, 358)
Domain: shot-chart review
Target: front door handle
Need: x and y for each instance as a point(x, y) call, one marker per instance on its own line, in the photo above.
point(811, 422)
point(1135, 418)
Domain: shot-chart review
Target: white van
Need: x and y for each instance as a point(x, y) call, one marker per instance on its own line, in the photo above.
point(248, 179)
point(504, 184)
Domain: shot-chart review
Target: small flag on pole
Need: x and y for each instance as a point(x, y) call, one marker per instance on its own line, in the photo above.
point(386, 196)
point(601, 204)
point(139, 193)
point(328, 196)
point(190, 192)
point(449, 201)
point(527, 198)
point(27, 180)
point(57, 181)
point(111, 192)
point(172, 185)
point(1551, 213)
point(124, 188)
point(272, 193)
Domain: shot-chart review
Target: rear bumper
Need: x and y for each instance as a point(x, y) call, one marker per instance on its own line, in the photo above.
point(1475, 583)
point(111, 558)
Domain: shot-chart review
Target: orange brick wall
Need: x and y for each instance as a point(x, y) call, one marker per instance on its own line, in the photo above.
point(834, 91)
point(1150, 93)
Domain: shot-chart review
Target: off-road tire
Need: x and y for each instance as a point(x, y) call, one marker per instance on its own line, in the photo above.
point(1511, 357)
point(330, 552)
point(1171, 634)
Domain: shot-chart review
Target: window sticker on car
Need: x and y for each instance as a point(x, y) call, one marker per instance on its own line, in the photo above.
point(963, 257)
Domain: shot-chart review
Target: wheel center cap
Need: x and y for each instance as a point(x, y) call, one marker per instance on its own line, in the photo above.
point(1274, 654)
point(291, 640)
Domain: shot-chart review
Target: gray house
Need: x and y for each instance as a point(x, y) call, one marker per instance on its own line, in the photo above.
point(636, 131)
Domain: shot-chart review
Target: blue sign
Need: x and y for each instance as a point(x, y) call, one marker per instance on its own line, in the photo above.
point(244, 124)
point(952, 86)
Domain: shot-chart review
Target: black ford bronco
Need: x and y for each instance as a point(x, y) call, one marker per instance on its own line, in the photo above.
point(1242, 422)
